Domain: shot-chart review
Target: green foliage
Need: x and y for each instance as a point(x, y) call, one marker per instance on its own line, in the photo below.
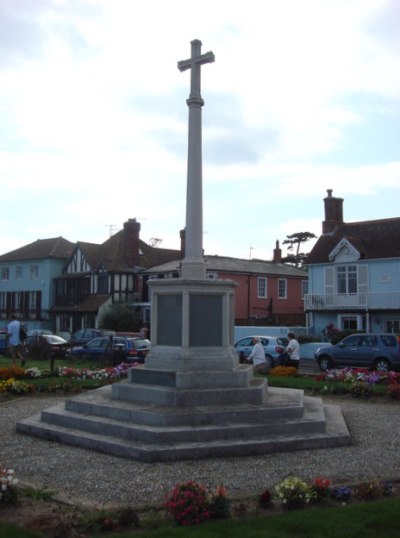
point(119, 317)
point(308, 338)
point(342, 334)
point(294, 241)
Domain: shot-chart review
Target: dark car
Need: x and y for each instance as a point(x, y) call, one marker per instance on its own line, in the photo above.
point(3, 341)
point(85, 335)
point(273, 346)
point(46, 346)
point(115, 348)
point(375, 351)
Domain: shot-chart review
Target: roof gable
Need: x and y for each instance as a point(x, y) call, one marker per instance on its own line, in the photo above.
point(56, 248)
point(373, 239)
point(344, 252)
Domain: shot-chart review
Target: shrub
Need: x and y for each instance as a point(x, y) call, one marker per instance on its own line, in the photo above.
point(188, 504)
point(280, 371)
point(342, 493)
point(320, 487)
point(220, 504)
point(265, 499)
point(360, 389)
point(294, 493)
point(8, 486)
point(369, 491)
point(12, 371)
point(394, 391)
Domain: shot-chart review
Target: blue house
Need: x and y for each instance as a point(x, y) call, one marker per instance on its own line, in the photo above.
point(26, 281)
point(354, 274)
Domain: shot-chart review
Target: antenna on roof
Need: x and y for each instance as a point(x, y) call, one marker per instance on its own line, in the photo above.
point(111, 228)
point(250, 251)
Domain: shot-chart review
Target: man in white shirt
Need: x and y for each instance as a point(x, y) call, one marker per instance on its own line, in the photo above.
point(14, 340)
point(257, 357)
point(293, 352)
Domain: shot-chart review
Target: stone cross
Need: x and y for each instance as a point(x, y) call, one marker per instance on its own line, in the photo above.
point(193, 264)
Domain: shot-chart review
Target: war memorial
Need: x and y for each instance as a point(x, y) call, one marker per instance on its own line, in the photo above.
point(191, 398)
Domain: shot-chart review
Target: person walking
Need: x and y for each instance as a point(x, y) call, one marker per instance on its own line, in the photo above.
point(257, 357)
point(291, 355)
point(14, 340)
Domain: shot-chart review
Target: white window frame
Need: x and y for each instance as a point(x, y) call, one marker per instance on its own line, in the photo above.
point(5, 273)
point(261, 287)
point(34, 269)
point(284, 295)
point(304, 288)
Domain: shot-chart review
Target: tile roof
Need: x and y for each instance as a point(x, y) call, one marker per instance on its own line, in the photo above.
point(374, 239)
point(57, 247)
point(91, 303)
point(110, 254)
point(236, 265)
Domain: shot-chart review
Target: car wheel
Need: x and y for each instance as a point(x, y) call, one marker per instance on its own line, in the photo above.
point(382, 365)
point(325, 363)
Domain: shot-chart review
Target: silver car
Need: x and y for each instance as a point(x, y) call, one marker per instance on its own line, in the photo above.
point(273, 347)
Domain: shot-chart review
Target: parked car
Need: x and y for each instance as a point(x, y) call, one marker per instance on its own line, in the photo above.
point(3, 341)
point(273, 347)
point(46, 346)
point(375, 351)
point(116, 348)
point(85, 335)
point(32, 332)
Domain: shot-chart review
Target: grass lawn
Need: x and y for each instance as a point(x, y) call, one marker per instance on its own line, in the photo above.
point(377, 519)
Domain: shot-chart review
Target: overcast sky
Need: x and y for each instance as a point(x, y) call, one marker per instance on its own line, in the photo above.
point(303, 97)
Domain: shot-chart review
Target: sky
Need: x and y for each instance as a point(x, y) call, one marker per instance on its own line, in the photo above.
point(303, 96)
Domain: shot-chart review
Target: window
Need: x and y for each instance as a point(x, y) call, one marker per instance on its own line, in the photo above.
point(304, 288)
point(282, 288)
point(4, 273)
point(18, 272)
point(32, 299)
point(261, 287)
point(34, 271)
point(347, 279)
point(392, 326)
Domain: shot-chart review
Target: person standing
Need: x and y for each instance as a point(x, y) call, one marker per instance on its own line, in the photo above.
point(257, 357)
point(14, 340)
point(292, 352)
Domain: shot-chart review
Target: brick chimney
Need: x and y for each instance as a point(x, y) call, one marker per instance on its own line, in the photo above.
point(131, 243)
point(277, 253)
point(333, 213)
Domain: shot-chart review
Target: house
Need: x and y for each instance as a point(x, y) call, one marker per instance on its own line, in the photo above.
point(267, 293)
point(26, 280)
point(354, 273)
point(97, 275)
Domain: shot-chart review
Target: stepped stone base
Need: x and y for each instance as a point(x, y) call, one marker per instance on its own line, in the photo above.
point(158, 415)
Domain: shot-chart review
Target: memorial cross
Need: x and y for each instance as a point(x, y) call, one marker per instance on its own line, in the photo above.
point(193, 264)
point(197, 59)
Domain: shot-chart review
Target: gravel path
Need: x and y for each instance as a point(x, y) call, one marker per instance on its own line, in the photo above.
point(103, 480)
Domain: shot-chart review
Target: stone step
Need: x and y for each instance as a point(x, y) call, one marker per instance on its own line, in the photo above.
point(254, 393)
point(240, 376)
point(281, 403)
point(313, 420)
point(335, 434)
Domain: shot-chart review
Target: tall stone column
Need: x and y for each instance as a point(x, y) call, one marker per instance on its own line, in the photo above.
point(193, 265)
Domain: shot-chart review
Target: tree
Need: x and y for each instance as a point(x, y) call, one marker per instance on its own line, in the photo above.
point(294, 241)
point(155, 242)
point(118, 317)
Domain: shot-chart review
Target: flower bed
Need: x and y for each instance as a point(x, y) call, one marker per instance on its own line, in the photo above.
point(19, 381)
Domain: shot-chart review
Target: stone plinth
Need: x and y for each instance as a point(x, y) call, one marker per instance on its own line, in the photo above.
point(192, 325)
